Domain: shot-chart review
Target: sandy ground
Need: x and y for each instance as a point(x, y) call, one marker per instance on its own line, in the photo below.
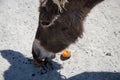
point(94, 57)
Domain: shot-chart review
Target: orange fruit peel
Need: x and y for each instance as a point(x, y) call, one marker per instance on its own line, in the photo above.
point(66, 54)
point(36, 63)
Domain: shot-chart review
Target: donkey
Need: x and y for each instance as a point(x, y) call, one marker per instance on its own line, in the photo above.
point(60, 24)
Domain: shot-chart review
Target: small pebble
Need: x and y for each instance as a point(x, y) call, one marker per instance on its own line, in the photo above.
point(108, 54)
point(33, 75)
point(13, 57)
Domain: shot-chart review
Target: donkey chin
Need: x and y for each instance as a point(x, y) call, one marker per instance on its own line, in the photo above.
point(60, 24)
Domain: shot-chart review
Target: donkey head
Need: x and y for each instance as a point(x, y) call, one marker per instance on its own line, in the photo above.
point(50, 10)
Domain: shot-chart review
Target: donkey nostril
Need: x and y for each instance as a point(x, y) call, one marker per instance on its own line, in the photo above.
point(45, 23)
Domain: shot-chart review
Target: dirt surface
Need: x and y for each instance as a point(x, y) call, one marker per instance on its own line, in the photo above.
point(94, 57)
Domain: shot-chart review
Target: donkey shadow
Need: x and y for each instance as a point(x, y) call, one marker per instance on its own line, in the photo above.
point(22, 68)
point(96, 76)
